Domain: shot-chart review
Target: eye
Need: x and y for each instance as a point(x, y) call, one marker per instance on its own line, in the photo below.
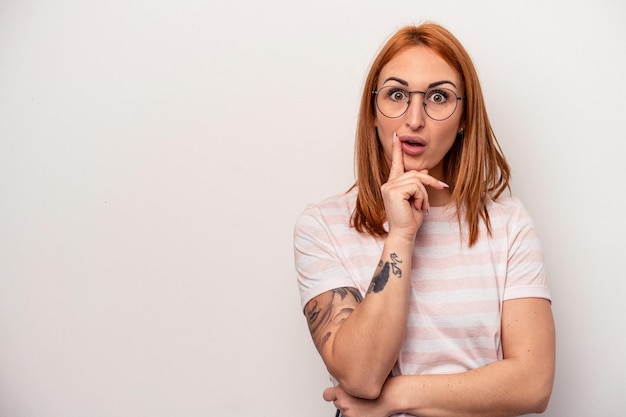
point(438, 96)
point(397, 94)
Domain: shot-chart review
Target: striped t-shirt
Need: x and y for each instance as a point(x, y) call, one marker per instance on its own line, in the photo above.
point(456, 291)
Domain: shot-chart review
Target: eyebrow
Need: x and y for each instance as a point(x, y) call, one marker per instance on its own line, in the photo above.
point(431, 85)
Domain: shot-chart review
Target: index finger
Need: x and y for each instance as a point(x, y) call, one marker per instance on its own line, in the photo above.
point(397, 158)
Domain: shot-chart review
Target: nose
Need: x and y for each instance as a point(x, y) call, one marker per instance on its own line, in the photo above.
point(415, 115)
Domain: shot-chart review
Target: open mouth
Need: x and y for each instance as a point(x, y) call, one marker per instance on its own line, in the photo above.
point(413, 145)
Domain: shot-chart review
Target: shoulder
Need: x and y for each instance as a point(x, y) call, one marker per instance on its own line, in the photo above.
point(505, 203)
point(507, 207)
point(510, 220)
point(509, 216)
point(335, 209)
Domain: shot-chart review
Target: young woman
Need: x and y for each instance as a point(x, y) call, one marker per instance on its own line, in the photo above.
point(424, 286)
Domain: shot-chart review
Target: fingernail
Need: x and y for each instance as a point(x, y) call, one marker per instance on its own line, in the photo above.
point(395, 137)
point(443, 184)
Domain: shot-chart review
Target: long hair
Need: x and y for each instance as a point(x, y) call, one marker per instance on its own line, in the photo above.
point(475, 167)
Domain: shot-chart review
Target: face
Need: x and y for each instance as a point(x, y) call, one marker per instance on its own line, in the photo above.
point(424, 141)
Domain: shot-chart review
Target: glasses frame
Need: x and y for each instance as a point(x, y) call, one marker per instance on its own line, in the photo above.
point(408, 103)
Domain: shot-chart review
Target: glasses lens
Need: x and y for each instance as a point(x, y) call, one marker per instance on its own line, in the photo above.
point(440, 103)
point(392, 101)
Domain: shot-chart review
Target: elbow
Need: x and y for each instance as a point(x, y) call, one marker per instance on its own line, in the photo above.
point(539, 399)
point(359, 380)
point(539, 406)
point(366, 387)
point(365, 391)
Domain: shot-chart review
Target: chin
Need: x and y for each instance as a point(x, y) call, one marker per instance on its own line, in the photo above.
point(412, 166)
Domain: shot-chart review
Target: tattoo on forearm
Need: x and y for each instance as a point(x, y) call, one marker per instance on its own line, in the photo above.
point(382, 277)
point(327, 312)
point(394, 265)
point(326, 315)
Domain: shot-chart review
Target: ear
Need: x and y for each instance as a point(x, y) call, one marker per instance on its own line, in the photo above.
point(460, 134)
point(461, 126)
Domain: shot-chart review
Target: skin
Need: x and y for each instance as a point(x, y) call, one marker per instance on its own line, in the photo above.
point(416, 68)
point(360, 339)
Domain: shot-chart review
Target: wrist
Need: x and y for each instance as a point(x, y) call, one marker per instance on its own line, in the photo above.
point(392, 396)
point(402, 238)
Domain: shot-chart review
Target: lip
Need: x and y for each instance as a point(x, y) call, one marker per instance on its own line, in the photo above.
point(412, 145)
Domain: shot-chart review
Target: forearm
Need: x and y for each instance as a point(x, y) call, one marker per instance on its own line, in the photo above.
point(367, 344)
point(497, 390)
point(519, 384)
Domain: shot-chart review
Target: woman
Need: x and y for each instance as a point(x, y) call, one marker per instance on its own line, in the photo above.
point(423, 285)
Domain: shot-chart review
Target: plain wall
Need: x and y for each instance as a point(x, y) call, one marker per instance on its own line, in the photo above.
point(154, 156)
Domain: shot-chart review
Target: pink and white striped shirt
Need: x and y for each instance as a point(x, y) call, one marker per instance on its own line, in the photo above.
point(456, 292)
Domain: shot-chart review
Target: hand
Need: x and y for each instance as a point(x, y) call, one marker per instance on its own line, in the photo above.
point(405, 195)
point(352, 406)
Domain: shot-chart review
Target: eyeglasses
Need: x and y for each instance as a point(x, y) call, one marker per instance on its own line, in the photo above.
point(439, 103)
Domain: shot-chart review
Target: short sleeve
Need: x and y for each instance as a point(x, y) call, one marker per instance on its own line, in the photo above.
point(318, 264)
point(526, 275)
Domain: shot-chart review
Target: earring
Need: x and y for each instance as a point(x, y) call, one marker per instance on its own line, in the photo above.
point(461, 134)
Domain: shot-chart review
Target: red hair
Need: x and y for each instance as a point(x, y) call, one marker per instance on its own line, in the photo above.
point(475, 167)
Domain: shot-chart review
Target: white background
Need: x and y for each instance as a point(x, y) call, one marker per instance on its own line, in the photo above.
point(154, 156)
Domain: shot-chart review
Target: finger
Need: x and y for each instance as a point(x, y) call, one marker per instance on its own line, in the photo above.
point(425, 205)
point(439, 185)
point(432, 181)
point(397, 158)
point(420, 201)
point(419, 204)
point(420, 197)
point(329, 394)
point(409, 188)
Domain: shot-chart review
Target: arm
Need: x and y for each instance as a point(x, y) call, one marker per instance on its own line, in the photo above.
point(521, 383)
point(359, 340)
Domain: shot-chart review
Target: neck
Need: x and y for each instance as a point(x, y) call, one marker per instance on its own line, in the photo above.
point(437, 198)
